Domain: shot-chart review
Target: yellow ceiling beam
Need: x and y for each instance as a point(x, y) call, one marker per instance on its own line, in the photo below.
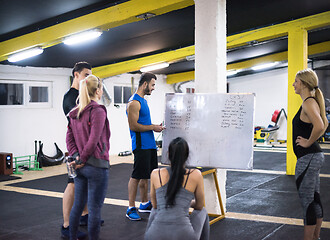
point(180, 77)
point(104, 19)
point(136, 64)
point(310, 22)
point(277, 57)
point(278, 30)
point(127, 12)
point(283, 56)
point(319, 48)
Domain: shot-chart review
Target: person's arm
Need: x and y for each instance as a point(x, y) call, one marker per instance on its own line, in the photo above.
point(152, 188)
point(68, 103)
point(65, 106)
point(133, 110)
point(98, 116)
point(312, 111)
point(198, 204)
point(70, 142)
point(153, 199)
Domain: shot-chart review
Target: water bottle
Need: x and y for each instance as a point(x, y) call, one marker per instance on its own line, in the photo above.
point(71, 171)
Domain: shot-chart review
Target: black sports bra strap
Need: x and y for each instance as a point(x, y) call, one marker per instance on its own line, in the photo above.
point(309, 97)
point(160, 179)
point(187, 178)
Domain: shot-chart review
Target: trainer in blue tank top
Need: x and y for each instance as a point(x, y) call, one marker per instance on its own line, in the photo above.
point(142, 140)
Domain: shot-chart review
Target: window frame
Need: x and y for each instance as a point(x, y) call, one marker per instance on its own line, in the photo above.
point(26, 94)
point(14, 105)
point(122, 86)
point(49, 85)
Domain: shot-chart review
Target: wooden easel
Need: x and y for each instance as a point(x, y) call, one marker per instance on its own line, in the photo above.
point(216, 217)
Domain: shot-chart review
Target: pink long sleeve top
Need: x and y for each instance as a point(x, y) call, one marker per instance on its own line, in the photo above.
point(89, 136)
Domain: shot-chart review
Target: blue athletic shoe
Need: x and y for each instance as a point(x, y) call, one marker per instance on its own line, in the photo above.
point(132, 214)
point(145, 207)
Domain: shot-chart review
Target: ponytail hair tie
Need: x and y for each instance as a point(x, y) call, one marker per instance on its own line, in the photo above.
point(316, 87)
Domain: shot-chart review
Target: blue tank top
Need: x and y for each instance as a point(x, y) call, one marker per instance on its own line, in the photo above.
point(142, 140)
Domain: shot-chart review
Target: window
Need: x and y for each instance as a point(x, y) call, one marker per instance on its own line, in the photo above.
point(11, 94)
point(117, 92)
point(121, 94)
point(25, 93)
point(126, 94)
point(38, 94)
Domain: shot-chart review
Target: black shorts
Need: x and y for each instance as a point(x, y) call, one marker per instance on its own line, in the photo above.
point(70, 180)
point(145, 160)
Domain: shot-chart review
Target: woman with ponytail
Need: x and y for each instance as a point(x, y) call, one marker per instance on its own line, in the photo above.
point(309, 125)
point(172, 191)
point(87, 141)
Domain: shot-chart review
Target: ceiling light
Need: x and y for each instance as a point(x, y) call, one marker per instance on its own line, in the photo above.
point(264, 66)
point(25, 54)
point(82, 37)
point(231, 73)
point(154, 67)
point(190, 58)
point(145, 16)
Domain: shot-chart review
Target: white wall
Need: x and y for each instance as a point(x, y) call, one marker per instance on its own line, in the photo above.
point(120, 138)
point(271, 89)
point(21, 125)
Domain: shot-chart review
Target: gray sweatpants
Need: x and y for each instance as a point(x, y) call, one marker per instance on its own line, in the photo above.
point(308, 185)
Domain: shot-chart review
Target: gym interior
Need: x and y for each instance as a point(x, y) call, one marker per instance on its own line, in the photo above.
point(258, 203)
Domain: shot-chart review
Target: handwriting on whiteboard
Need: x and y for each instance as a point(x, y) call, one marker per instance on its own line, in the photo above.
point(218, 128)
point(234, 113)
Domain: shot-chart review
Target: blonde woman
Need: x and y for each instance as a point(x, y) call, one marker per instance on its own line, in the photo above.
point(87, 140)
point(309, 125)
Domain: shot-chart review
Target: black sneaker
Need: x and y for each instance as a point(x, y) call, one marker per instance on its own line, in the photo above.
point(84, 221)
point(65, 233)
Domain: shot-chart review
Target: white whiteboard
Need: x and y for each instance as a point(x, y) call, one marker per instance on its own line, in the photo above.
point(219, 128)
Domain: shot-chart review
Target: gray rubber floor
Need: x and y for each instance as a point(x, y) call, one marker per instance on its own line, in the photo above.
point(26, 216)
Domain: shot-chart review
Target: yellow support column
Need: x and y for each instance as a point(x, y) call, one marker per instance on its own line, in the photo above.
point(297, 60)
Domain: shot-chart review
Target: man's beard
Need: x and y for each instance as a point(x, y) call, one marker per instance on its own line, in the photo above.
point(147, 91)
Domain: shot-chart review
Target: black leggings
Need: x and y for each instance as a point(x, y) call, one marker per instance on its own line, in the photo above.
point(308, 186)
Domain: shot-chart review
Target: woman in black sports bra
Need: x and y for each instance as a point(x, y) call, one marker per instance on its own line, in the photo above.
point(172, 191)
point(308, 125)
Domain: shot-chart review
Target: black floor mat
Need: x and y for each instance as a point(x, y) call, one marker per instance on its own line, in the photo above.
point(29, 216)
point(276, 161)
point(119, 175)
point(268, 194)
point(8, 178)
